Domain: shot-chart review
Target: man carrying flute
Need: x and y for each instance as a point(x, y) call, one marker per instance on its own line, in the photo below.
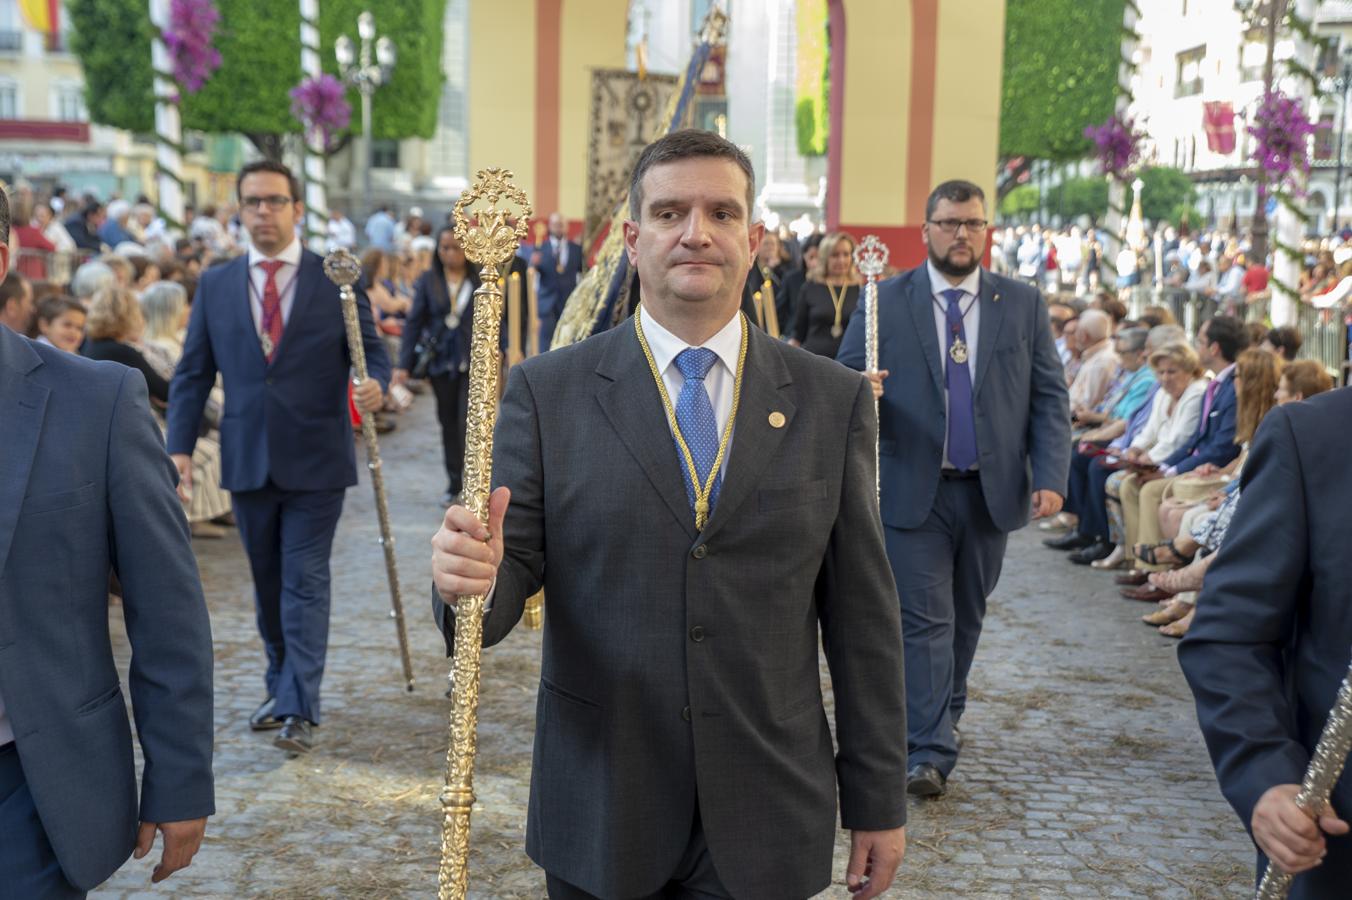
point(682, 748)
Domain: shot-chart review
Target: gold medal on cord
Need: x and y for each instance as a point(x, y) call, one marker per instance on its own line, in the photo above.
point(958, 352)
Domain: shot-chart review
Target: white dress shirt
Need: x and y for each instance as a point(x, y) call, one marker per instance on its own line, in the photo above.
point(719, 383)
point(286, 281)
point(560, 252)
point(971, 322)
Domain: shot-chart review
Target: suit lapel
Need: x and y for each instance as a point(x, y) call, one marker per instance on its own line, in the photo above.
point(920, 299)
point(243, 311)
point(630, 401)
point(754, 439)
point(23, 403)
point(992, 317)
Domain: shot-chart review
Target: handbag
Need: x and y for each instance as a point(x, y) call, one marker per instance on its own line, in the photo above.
point(424, 351)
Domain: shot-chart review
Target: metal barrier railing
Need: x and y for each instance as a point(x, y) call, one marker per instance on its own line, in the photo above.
point(55, 267)
point(1324, 332)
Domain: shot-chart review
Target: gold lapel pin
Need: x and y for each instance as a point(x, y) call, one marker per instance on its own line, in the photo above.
point(777, 419)
point(995, 299)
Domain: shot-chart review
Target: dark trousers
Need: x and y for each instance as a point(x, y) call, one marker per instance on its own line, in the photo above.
point(1079, 483)
point(945, 570)
point(28, 867)
point(452, 393)
point(288, 536)
point(694, 878)
point(1094, 519)
point(548, 322)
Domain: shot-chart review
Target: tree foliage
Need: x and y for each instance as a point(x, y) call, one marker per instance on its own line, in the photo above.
point(1060, 75)
point(1165, 193)
point(259, 41)
point(1022, 200)
point(1077, 197)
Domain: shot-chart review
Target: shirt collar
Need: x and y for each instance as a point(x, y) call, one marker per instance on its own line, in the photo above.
point(290, 255)
point(665, 346)
point(1225, 373)
point(938, 283)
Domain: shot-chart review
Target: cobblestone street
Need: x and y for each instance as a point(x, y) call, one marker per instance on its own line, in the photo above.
point(1083, 774)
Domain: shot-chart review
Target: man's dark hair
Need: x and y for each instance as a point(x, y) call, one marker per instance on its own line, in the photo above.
point(4, 218)
point(688, 143)
point(1287, 339)
point(92, 208)
point(11, 288)
point(1229, 333)
point(267, 165)
point(957, 191)
point(57, 305)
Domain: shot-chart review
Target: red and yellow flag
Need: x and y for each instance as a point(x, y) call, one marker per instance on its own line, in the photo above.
point(42, 15)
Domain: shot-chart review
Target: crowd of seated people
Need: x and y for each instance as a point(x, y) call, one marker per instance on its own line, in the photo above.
point(1155, 471)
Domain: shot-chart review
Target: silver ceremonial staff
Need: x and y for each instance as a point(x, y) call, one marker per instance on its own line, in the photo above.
point(1330, 754)
point(870, 258)
point(344, 269)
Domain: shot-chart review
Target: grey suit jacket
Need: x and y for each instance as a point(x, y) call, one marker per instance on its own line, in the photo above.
point(681, 668)
point(1018, 390)
point(85, 487)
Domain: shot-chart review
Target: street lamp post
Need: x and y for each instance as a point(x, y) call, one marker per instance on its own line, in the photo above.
point(360, 72)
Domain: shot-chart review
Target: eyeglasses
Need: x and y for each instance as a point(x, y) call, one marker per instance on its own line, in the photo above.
point(951, 226)
point(274, 202)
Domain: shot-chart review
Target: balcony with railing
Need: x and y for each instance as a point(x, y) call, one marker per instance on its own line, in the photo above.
point(11, 40)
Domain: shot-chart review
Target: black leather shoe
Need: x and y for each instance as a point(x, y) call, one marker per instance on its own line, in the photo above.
point(263, 719)
point(924, 780)
point(1092, 553)
point(1071, 540)
point(296, 736)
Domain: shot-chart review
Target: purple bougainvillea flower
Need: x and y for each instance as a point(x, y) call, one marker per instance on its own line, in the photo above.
point(1280, 131)
point(1117, 145)
point(192, 23)
point(321, 106)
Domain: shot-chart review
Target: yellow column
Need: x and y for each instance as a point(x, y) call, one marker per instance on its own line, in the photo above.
point(966, 137)
point(502, 88)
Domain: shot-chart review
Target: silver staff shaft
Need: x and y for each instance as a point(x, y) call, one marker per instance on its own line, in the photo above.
point(1330, 754)
point(368, 432)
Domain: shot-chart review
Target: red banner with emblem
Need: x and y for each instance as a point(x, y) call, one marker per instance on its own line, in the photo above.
point(1218, 121)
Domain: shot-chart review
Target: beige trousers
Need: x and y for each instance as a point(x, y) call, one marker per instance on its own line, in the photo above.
point(1140, 512)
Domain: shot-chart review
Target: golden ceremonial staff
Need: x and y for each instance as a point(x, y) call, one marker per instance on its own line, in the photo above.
point(1330, 755)
point(870, 258)
point(344, 269)
point(489, 242)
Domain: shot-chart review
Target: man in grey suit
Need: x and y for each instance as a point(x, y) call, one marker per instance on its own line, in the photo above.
point(974, 410)
point(682, 747)
point(86, 488)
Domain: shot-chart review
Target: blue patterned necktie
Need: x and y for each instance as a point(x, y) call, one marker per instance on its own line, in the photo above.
point(958, 379)
point(695, 416)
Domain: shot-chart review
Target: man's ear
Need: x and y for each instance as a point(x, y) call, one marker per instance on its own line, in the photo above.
point(757, 235)
point(631, 241)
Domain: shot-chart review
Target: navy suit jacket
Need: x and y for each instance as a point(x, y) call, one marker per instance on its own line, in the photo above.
point(287, 420)
point(1019, 394)
point(555, 286)
point(1269, 645)
point(85, 488)
point(1214, 440)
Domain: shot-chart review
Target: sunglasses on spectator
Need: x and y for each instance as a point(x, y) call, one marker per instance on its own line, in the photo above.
point(951, 226)
point(274, 202)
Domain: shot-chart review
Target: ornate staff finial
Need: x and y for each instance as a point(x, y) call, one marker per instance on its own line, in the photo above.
point(488, 238)
point(870, 257)
point(342, 268)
